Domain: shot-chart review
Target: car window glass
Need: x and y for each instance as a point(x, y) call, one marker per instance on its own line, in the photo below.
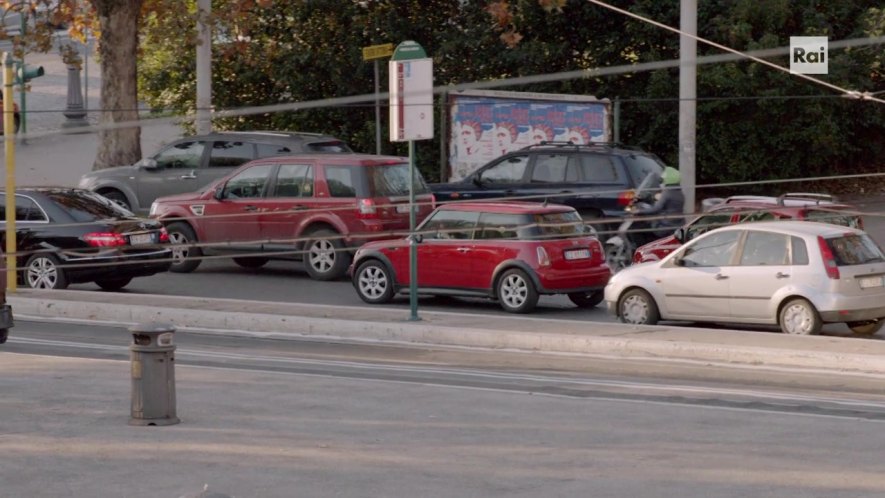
point(181, 155)
point(27, 210)
point(340, 181)
point(230, 154)
point(765, 248)
point(392, 180)
point(450, 225)
point(294, 180)
point(854, 250)
point(249, 183)
point(596, 168)
point(799, 251)
point(641, 165)
point(554, 225)
point(498, 226)
point(715, 249)
point(86, 206)
point(270, 150)
point(549, 168)
point(833, 218)
point(510, 170)
point(755, 216)
point(706, 223)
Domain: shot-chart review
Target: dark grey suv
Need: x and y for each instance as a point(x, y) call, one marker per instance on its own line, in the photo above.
point(188, 164)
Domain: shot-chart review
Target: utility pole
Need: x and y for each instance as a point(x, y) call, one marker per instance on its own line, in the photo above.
point(688, 48)
point(204, 68)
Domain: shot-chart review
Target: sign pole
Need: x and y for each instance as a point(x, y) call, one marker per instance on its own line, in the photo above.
point(377, 112)
point(411, 118)
point(9, 142)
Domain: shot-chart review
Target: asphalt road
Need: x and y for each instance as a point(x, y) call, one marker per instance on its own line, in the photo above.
point(260, 418)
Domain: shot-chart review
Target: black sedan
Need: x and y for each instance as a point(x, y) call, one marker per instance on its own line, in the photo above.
point(67, 236)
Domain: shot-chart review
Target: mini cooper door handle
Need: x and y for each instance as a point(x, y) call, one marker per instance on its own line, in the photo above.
point(720, 276)
point(250, 208)
point(463, 249)
point(297, 208)
point(782, 275)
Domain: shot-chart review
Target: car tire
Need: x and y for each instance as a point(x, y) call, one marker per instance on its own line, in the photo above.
point(324, 255)
point(42, 272)
point(637, 307)
point(4, 334)
point(251, 262)
point(799, 317)
point(515, 292)
point(113, 284)
point(374, 282)
point(117, 197)
point(187, 257)
point(586, 299)
point(866, 328)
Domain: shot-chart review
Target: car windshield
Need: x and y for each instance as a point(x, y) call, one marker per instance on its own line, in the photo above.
point(855, 250)
point(554, 226)
point(393, 180)
point(86, 206)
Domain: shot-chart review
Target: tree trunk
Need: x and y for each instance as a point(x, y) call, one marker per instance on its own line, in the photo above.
point(118, 49)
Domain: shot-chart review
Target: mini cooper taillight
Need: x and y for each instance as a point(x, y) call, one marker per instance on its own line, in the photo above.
point(543, 257)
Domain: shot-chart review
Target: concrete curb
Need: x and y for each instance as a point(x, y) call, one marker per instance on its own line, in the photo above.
point(401, 332)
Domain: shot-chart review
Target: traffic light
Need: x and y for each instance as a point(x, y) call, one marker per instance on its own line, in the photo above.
point(26, 73)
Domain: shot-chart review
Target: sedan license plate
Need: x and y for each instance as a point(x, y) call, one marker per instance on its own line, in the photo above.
point(402, 208)
point(577, 254)
point(144, 238)
point(869, 282)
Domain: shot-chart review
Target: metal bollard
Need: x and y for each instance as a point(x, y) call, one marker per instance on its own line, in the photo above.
point(153, 374)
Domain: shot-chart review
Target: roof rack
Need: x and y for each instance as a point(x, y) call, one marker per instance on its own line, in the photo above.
point(788, 199)
point(807, 196)
point(607, 145)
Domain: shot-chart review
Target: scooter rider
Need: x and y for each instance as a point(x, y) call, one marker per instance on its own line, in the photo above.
point(669, 204)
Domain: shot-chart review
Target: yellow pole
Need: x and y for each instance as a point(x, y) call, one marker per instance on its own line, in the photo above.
point(9, 142)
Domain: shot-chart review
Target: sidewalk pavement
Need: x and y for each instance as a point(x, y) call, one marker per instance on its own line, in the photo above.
point(518, 333)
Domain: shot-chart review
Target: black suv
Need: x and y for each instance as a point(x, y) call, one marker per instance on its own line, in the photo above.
point(188, 164)
point(596, 179)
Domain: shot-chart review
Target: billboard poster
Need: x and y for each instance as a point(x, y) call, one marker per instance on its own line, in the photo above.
point(488, 124)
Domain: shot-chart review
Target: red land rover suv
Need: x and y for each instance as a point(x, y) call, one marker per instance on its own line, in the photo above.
point(314, 207)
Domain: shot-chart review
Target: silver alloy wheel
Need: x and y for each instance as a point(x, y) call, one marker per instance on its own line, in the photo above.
point(373, 282)
point(321, 255)
point(514, 291)
point(179, 249)
point(798, 319)
point(634, 309)
point(42, 274)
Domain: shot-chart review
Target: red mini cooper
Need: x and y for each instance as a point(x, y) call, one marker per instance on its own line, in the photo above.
point(509, 251)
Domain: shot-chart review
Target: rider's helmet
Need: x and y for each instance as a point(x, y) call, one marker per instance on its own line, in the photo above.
point(670, 176)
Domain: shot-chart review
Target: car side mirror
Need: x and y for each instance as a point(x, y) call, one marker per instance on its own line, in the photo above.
point(477, 181)
point(679, 235)
point(148, 163)
point(219, 192)
point(678, 261)
point(418, 238)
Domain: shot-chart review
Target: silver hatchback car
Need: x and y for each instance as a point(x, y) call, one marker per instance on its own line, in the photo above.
point(794, 274)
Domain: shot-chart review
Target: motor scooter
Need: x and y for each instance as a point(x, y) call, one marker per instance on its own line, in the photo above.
point(632, 232)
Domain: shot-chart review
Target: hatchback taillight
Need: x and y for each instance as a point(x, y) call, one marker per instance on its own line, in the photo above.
point(367, 208)
point(829, 260)
point(164, 235)
point(543, 257)
point(104, 239)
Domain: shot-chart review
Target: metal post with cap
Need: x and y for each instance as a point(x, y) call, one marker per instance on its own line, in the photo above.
point(411, 118)
point(9, 143)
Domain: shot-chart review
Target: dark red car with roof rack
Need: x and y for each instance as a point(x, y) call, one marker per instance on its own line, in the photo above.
point(312, 207)
point(512, 252)
point(747, 208)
